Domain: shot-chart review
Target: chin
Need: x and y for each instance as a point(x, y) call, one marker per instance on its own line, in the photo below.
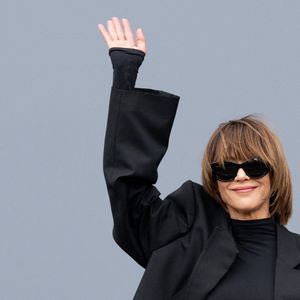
point(245, 210)
point(247, 207)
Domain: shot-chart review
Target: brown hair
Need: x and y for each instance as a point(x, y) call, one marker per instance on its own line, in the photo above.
point(242, 139)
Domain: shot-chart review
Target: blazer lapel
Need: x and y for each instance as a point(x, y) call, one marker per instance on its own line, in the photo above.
point(221, 251)
point(287, 277)
point(212, 264)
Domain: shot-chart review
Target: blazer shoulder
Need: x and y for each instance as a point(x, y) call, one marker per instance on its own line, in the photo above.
point(208, 212)
point(295, 235)
point(200, 193)
point(191, 202)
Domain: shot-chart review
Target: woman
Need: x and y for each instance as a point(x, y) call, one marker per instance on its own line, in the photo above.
point(224, 239)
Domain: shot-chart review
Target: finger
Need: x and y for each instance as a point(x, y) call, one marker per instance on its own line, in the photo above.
point(105, 34)
point(140, 40)
point(119, 28)
point(112, 30)
point(127, 30)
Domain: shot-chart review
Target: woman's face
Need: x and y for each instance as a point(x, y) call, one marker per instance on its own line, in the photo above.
point(246, 198)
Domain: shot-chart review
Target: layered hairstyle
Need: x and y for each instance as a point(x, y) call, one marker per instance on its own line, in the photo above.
point(243, 139)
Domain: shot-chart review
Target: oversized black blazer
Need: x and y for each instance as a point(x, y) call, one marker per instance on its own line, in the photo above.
point(185, 241)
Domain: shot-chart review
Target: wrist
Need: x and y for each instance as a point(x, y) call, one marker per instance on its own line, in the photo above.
point(123, 58)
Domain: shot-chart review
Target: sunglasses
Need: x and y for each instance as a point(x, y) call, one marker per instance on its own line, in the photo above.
point(254, 168)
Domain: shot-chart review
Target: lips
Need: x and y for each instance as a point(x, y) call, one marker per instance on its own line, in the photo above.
point(245, 189)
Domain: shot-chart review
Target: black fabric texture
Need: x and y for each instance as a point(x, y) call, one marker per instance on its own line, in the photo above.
point(252, 274)
point(186, 241)
point(126, 63)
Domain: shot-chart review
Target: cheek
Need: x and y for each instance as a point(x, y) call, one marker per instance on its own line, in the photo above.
point(223, 190)
point(266, 185)
point(267, 190)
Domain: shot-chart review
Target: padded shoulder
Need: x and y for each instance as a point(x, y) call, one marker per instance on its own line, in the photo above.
point(208, 211)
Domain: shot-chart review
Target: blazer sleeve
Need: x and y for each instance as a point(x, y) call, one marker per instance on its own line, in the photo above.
point(137, 136)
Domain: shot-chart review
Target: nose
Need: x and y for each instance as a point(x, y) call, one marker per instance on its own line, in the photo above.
point(241, 175)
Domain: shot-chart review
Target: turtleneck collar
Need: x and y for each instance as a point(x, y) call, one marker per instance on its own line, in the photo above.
point(263, 221)
point(254, 233)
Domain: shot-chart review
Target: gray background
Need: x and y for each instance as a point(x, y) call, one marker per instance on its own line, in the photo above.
point(224, 58)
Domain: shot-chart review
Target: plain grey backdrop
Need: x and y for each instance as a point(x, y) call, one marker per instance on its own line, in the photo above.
point(225, 59)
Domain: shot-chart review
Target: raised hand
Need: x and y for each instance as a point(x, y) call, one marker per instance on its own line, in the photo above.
point(121, 36)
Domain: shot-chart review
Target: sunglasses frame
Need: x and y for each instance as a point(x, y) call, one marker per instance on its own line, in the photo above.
point(238, 166)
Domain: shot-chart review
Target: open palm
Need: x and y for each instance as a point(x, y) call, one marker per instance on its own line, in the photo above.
point(121, 36)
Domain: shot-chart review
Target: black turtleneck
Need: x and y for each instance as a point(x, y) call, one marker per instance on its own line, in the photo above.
point(251, 276)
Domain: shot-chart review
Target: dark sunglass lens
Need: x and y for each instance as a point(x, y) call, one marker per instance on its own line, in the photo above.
point(256, 169)
point(227, 173)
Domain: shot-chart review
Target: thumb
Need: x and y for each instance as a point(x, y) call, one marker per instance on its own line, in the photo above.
point(140, 40)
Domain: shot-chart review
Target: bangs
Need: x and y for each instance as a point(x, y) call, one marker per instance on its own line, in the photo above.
point(239, 141)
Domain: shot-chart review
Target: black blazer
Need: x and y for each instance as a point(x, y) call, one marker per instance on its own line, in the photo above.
point(185, 241)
